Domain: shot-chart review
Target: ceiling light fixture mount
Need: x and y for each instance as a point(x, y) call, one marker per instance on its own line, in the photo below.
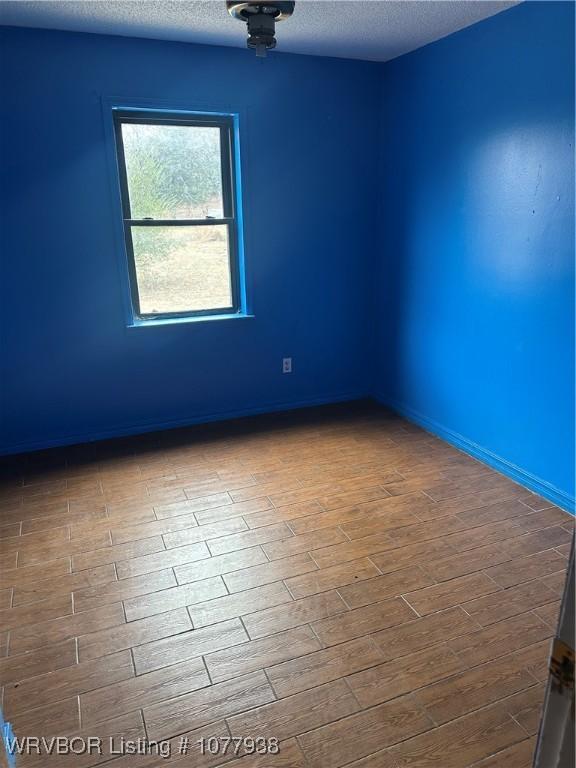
point(261, 18)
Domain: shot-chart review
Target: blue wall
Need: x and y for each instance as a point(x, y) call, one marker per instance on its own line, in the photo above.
point(476, 311)
point(71, 368)
point(446, 174)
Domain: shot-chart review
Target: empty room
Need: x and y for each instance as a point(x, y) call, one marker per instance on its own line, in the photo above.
point(287, 384)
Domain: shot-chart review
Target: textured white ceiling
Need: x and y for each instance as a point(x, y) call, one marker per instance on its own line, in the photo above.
point(377, 30)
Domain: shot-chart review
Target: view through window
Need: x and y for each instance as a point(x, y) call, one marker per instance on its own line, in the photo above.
point(177, 184)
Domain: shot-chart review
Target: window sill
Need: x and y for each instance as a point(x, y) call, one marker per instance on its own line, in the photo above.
point(188, 320)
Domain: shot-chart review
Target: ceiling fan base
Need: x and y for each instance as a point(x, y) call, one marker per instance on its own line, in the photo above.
point(260, 18)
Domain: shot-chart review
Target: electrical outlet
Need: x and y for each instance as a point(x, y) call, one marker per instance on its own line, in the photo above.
point(287, 365)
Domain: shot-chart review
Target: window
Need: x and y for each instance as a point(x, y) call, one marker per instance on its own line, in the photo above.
point(179, 210)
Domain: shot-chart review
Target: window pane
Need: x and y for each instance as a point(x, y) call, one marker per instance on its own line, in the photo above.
point(174, 171)
point(182, 269)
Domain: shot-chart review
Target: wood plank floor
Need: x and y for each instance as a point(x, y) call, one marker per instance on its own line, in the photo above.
point(337, 579)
